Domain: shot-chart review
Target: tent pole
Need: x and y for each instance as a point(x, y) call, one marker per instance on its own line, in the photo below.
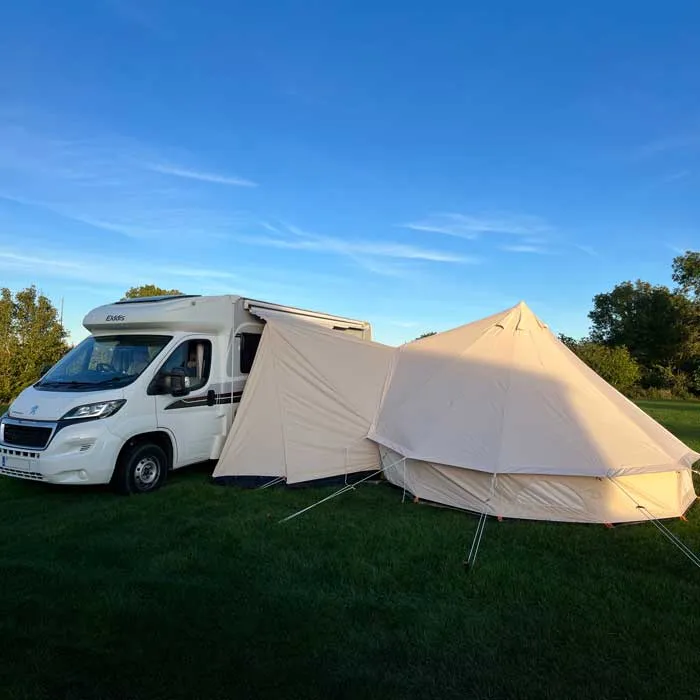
point(474, 549)
point(274, 481)
point(339, 492)
point(403, 497)
point(349, 487)
point(670, 536)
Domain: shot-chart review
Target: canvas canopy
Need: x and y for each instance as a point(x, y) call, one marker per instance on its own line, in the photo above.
point(307, 405)
point(496, 416)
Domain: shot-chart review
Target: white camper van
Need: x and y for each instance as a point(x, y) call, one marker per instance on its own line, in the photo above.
point(155, 386)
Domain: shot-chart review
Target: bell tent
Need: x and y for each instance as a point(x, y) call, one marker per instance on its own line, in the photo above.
point(499, 416)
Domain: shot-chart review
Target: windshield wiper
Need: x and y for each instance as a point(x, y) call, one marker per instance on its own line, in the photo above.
point(110, 380)
point(71, 383)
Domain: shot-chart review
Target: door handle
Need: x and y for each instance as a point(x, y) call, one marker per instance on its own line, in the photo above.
point(211, 397)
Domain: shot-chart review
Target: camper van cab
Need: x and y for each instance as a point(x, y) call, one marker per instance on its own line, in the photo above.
point(155, 386)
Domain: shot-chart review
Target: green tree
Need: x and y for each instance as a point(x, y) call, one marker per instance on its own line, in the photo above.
point(656, 325)
point(148, 290)
point(615, 365)
point(686, 273)
point(9, 348)
point(570, 343)
point(31, 337)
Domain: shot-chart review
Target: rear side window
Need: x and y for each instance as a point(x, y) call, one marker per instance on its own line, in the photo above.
point(249, 348)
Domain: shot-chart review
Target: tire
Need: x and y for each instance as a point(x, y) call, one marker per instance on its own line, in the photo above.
point(141, 468)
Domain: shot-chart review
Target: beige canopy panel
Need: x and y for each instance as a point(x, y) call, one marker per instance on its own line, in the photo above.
point(505, 396)
point(580, 499)
point(307, 405)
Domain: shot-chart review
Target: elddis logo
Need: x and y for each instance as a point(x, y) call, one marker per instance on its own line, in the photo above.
point(115, 318)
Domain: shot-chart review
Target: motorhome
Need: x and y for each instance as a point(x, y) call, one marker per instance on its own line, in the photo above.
point(154, 387)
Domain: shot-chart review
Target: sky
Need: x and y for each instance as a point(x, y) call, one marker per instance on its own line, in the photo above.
point(416, 164)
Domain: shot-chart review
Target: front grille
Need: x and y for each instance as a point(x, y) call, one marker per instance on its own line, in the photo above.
point(34, 476)
point(19, 453)
point(27, 435)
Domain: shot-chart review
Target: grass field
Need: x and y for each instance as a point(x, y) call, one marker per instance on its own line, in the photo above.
point(197, 592)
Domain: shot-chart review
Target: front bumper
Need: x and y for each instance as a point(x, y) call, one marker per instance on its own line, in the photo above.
point(84, 453)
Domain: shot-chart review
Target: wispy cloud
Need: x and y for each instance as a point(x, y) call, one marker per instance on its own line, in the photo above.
point(388, 267)
point(199, 175)
point(531, 249)
point(98, 270)
point(271, 228)
point(123, 228)
point(588, 250)
point(472, 226)
point(298, 239)
point(196, 272)
point(676, 176)
point(19, 259)
point(137, 221)
point(108, 183)
point(404, 324)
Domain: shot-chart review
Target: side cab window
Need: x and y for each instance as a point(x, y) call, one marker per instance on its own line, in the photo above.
point(194, 356)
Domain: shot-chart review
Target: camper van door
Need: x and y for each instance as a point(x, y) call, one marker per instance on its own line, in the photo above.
point(189, 414)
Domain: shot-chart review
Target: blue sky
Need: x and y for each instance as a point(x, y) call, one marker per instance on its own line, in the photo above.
point(416, 164)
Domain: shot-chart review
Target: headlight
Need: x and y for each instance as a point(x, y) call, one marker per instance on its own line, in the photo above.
point(95, 410)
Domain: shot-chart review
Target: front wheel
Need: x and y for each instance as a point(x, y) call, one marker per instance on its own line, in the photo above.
point(140, 469)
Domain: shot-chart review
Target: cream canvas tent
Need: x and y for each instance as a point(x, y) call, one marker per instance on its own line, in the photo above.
point(496, 416)
point(307, 405)
point(500, 417)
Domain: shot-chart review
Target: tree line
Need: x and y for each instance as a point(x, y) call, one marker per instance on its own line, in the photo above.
point(644, 339)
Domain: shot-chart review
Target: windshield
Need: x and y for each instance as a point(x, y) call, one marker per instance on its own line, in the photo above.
point(104, 362)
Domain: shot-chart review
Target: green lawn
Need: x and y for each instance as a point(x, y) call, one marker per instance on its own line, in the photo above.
point(197, 592)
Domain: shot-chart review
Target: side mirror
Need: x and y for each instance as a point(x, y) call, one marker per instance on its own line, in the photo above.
point(178, 383)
